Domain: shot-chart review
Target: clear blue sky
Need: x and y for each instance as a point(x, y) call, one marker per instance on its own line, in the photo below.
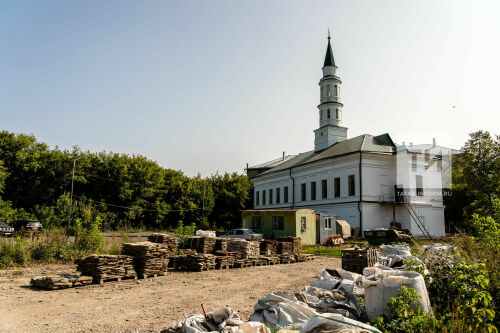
point(206, 86)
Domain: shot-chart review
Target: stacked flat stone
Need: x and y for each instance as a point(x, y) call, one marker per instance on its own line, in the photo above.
point(204, 245)
point(220, 244)
point(169, 241)
point(150, 259)
point(284, 248)
point(60, 281)
point(227, 254)
point(295, 244)
point(245, 248)
point(271, 260)
point(268, 247)
point(199, 262)
point(224, 261)
point(106, 266)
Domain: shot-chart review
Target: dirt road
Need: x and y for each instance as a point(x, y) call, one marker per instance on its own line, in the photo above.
point(141, 305)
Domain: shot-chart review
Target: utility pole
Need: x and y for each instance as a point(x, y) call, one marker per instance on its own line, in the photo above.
point(71, 196)
point(203, 205)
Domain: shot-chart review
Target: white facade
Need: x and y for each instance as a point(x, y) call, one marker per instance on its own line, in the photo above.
point(353, 184)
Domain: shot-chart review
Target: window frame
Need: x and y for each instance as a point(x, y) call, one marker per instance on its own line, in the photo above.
point(264, 197)
point(313, 190)
point(285, 194)
point(257, 198)
point(271, 196)
point(303, 224)
point(419, 189)
point(336, 187)
point(351, 184)
point(253, 220)
point(278, 195)
point(278, 222)
point(303, 192)
point(324, 189)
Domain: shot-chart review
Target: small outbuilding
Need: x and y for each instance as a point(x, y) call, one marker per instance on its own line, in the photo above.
point(282, 222)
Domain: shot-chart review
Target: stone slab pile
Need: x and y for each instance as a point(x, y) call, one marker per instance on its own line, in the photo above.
point(199, 262)
point(221, 244)
point(268, 247)
point(149, 258)
point(168, 241)
point(245, 248)
point(224, 261)
point(204, 245)
point(227, 254)
point(60, 281)
point(106, 266)
point(295, 244)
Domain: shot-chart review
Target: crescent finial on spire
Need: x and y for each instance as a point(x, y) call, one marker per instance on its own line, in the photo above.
point(329, 34)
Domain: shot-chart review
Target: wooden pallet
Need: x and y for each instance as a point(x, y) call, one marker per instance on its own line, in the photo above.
point(104, 279)
point(224, 266)
point(145, 276)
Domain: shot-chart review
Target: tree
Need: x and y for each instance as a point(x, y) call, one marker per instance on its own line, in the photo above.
point(481, 171)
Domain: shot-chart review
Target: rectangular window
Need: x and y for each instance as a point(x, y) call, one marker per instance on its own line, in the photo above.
point(278, 223)
point(270, 197)
point(256, 222)
point(427, 160)
point(324, 189)
point(336, 186)
point(257, 198)
point(313, 190)
point(419, 185)
point(263, 197)
point(414, 163)
point(285, 194)
point(303, 223)
point(351, 184)
point(303, 192)
point(278, 195)
point(328, 222)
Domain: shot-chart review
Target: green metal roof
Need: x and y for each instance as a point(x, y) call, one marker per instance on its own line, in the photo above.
point(329, 56)
point(363, 143)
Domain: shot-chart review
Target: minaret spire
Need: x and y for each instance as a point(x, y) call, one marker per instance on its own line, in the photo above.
point(329, 53)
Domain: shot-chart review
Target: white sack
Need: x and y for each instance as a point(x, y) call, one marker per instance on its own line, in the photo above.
point(402, 249)
point(381, 286)
point(326, 281)
point(253, 327)
point(205, 233)
point(223, 319)
point(336, 323)
point(335, 301)
point(282, 309)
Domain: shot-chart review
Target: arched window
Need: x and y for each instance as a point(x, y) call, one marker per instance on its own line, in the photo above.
point(321, 91)
point(328, 113)
point(328, 91)
point(337, 114)
point(336, 91)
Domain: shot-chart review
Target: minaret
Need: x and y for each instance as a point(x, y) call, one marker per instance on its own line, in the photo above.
point(330, 129)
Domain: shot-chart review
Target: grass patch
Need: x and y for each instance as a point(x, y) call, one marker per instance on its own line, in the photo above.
point(323, 251)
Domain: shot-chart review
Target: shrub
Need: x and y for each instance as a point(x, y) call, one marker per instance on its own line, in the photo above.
point(183, 233)
point(51, 246)
point(89, 239)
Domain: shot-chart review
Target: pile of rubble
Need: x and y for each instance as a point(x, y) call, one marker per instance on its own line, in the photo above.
point(106, 267)
point(60, 281)
point(150, 259)
point(170, 242)
point(245, 248)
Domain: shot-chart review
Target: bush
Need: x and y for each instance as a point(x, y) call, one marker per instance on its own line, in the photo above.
point(183, 233)
point(90, 239)
point(51, 246)
point(405, 314)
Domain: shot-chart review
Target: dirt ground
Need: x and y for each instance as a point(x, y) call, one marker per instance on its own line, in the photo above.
point(141, 305)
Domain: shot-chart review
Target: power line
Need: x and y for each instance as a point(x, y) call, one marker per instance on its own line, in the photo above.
point(132, 208)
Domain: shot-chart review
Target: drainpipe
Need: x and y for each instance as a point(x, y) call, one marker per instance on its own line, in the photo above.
point(293, 189)
point(360, 198)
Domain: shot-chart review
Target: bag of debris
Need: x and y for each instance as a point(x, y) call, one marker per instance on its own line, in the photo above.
point(223, 319)
point(336, 323)
point(282, 310)
point(326, 281)
point(348, 280)
point(401, 249)
point(335, 301)
point(205, 233)
point(381, 286)
point(253, 327)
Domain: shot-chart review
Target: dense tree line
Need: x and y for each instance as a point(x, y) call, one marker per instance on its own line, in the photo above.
point(125, 191)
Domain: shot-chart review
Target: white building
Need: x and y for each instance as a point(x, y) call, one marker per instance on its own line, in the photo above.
point(363, 180)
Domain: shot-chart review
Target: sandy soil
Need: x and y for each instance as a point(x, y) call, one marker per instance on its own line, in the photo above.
point(141, 305)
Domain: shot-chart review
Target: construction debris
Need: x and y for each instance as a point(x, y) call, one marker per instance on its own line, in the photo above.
point(356, 259)
point(104, 267)
point(168, 241)
point(60, 281)
point(150, 259)
point(334, 240)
